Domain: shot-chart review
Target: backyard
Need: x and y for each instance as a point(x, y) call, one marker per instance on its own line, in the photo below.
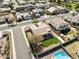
point(72, 49)
point(49, 42)
point(71, 34)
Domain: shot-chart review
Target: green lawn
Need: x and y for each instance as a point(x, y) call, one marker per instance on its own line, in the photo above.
point(73, 6)
point(50, 42)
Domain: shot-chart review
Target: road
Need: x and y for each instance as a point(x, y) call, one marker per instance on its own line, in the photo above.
point(21, 48)
point(6, 26)
point(29, 22)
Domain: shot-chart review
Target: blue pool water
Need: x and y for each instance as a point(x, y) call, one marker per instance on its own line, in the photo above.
point(60, 55)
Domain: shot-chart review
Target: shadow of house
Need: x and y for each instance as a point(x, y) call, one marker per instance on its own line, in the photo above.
point(47, 36)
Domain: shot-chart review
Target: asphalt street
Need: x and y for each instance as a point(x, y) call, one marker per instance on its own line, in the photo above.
point(17, 25)
point(21, 48)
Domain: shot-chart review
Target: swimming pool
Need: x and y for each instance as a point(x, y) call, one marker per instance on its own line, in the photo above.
point(60, 55)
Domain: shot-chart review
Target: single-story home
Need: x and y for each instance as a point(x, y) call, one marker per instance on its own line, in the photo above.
point(7, 19)
point(30, 6)
point(38, 12)
point(59, 24)
point(62, 10)
point(40, 5)
point(5, 9)
point(19, 8)
point(21, 2)
point(74, 20)
point(31, 2)
point(53, 10)
point(23, 16)
point(5, 2)
point(2, 20)
point(39, 28)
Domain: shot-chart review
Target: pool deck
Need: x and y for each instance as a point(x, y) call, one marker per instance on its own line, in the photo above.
point(50, 56)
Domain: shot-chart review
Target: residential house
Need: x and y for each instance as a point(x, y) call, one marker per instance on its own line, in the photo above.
point(40, 31)
point(62, 10)
point(6, 19)
point(5, 10)
point(53, 10)
point(38, 12)
point(2, 20)
point(39, 28)
point(40, 5)
point(30, 6)
point(59, 24)
point(5, 2)
point(33, 2)
point(74, 20)
point(23, 16)
point(21, 2)
point(41, 1)
point(20, 8)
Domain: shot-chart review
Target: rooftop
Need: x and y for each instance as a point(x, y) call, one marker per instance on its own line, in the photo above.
point(39, 28)
point(52, 9)
point(58, 23)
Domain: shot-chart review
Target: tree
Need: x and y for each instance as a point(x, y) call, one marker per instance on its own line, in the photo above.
point(11, 6)
point(50, 0)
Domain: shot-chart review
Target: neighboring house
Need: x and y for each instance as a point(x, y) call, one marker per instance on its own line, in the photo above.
point(6, 19)
point(53, 10)
point(30, 6)
point(39, 28)
point(38, 12)
point(5, 2)
point(23, 16)
point(20, 8)
point(40, 5)
point(74, 20)
point(21, 2)
point(59, 24)
point(41, 1)
point(33, 2)
point(2, 20)
point(5, 9)
point(62, 10)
